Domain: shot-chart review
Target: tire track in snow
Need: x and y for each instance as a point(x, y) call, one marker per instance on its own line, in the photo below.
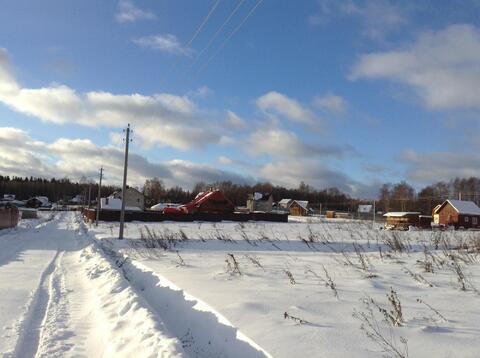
point(31, 322)
point(54, 327)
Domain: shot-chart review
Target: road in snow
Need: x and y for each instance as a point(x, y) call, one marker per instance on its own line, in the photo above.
point(42, 294)
point(62, 294)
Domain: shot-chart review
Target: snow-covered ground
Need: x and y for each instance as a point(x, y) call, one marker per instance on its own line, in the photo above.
point(333, 288)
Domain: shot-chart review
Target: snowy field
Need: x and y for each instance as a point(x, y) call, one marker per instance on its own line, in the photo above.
point(307, 289)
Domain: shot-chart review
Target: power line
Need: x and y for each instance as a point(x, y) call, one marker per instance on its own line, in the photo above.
point(212, 39)
point(229, 37)
point(194, 36)
point(203, 22)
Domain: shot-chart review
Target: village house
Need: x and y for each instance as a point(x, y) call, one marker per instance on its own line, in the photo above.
point(457, 213)
point(294, 207)
point(260, 202)
point(133, 199)
point(284, 204)
point(38, 202)
point(298, 208)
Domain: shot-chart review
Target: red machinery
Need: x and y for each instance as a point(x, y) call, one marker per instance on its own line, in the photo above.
point(212, 201)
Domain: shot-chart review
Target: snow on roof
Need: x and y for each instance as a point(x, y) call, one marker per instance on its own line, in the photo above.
point(261, 196)
point(435, 209)
point(302, 203)
point(399, 214)
point(43, 199)
point(465, 207)
point(284, 201)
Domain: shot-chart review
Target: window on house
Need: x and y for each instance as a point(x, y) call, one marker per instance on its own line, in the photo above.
point(466, 219)
point(474, 221)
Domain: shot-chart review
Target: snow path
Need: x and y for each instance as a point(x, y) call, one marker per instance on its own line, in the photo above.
point(65, 294)
point(59, 297)
point(51, 293)
point(27, 262)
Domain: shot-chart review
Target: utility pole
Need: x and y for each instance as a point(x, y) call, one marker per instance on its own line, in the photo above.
point(99, 196)
point(374, 211)
point(89, 194)
point(124, 187)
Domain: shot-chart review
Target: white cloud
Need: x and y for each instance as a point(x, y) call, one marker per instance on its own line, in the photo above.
point(331, 103)
point(128, 12)
point(224, 160)
point(235, 121)
point(22, 155)
point(165, 43)
point(443, 67)
point(377, 18)
point(201, 92)
point(163, 119)
point(427, 168)
point(291, 172)
point(279, 143)
point(278, 103)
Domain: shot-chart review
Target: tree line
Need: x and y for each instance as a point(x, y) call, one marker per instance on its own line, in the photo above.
point(331, 198)
point(392, 196)
point(403, 197)
point(56, 190)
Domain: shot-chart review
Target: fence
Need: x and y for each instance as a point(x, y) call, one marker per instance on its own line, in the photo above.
point(114, 215)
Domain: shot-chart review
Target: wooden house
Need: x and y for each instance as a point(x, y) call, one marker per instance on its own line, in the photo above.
point(457, 213)
point(298, 208)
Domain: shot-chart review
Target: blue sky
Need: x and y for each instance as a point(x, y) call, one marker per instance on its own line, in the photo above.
point(333, 93)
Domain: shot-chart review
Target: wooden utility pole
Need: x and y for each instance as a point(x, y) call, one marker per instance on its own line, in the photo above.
point(124, 187)
point(89, 194)
point(99, 196)
point(374, 211)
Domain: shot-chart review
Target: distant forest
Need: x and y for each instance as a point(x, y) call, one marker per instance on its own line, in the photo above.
point(391, 197)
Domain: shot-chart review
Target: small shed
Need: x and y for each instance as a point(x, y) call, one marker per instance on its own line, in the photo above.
point(330, 214)
point(457, 213)
point(401, 220)
point(298, 208)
